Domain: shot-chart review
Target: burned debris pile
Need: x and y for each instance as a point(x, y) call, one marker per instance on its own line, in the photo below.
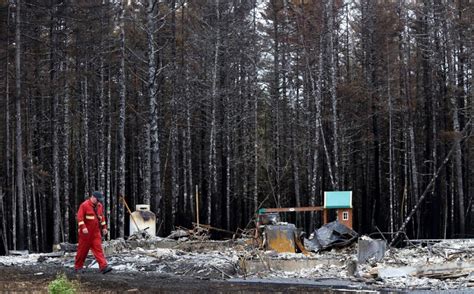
point(333, 234)
point(367, 263)
point(446, 264)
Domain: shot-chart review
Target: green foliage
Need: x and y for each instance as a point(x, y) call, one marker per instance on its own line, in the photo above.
point(61, 285)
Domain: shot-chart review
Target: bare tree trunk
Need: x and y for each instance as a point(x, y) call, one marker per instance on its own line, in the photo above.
point(328, 157)
point(434, 31)
point(174, 120)
point(295, 157)
point(189, 151)
point(188, 202)
point(155, 174)
point(317, 86)
point(255, 150)
point(57, 219)
point(121, 125)
point(4, 223)
point(452, 212)
point(406, 53)
point(276, 103)
point(42, 210)
point(32, 182)
point(227, 165)
point(14, 203)
point(255, 111)
point(390, 150)
point(28, 195)
point(101, 139)
point(414, 171)
point(65, 152)
point(8, 143)
point(174, 162)
point(19, 144)
point(151, 27)
point(296, 167)
point(184, 164)
point(35, 204)
point(320, 92)
point(212, 187)
point(56, 203)
point(332, 89)
point(451, 62)
point(108, 154)
point(85, 135)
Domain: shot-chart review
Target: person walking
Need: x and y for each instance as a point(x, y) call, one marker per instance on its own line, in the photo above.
point(92, 226)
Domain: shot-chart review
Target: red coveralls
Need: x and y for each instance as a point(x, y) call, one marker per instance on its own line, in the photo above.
point(94, 221)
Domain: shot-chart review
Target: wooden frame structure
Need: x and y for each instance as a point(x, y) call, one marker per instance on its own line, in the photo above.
point(339, 200)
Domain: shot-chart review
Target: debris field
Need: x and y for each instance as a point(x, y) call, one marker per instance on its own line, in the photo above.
point(428, 265)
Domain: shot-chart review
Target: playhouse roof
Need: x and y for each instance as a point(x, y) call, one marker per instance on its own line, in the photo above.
point(338, 199)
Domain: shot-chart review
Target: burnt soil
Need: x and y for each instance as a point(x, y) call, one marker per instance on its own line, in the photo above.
point(35, 279)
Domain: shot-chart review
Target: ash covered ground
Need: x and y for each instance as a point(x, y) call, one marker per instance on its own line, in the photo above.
point(165, 265)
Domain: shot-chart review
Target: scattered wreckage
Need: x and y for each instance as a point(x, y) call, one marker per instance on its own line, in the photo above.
point(278, 251)
point(351, 261)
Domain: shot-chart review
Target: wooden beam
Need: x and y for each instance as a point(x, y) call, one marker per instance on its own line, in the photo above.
point(292, 209)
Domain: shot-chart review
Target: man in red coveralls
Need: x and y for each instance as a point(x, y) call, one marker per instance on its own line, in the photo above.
point(91, 222)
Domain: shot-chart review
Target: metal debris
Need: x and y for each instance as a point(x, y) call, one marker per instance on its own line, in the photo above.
point(280, 238)
point(333, 234)
point(269, 218)
point(370, 249)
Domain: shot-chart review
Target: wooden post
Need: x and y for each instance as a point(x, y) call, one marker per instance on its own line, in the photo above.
point(197, 206)
point(325, 216)
point(130, 212)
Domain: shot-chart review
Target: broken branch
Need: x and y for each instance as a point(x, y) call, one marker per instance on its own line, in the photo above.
point(425, 192)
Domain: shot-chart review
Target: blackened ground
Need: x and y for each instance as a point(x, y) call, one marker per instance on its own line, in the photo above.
point(35, 279)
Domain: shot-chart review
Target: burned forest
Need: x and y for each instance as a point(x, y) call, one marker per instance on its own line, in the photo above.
point(208, 111)
point(244, 145)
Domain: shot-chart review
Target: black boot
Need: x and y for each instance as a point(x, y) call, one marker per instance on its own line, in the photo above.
point(106, 269)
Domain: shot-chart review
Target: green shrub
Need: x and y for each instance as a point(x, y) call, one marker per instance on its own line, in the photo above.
point(61, 285)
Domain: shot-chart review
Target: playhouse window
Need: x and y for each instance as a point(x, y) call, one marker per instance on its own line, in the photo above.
point(345, 215)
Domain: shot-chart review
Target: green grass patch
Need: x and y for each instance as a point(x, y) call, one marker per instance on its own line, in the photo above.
point(62, 285)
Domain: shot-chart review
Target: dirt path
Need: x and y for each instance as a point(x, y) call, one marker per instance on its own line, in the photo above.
point(35, 279)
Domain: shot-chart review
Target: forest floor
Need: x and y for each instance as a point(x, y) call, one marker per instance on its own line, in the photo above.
point(164, 266)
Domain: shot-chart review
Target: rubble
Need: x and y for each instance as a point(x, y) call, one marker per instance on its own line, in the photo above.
point(413, 267)
point(445, 270)
point(178, 234)
point(438, 266)
point(333, 234)
point(212, 264)
point(370, 249)
point(67, 247)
